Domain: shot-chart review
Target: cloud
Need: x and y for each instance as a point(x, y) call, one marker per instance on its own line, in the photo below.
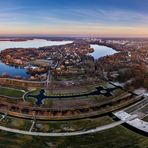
point(112, 16)
point(85, 17)
point(73, 21)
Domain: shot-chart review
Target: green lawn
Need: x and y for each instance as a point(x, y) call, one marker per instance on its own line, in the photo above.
point(11, 92)
point(118, 137)
point(74, 125)
point(16, 123)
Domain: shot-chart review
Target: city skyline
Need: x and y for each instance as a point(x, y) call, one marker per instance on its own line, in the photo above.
point(110, 18)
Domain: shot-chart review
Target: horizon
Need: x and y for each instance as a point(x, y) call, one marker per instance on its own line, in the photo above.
point(63, 18)
point(70, 36)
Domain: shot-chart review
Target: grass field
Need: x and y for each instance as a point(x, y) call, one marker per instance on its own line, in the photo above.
point(16, 123)
point(11, 92)
point(74, 125)
point(118, 137)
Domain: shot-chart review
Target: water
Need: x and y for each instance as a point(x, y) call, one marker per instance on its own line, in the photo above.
point(99, 91)
point(36, 43)
point(101, 51)
point(13, 71)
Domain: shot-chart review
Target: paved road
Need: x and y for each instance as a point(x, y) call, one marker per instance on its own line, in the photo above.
point(98, 129)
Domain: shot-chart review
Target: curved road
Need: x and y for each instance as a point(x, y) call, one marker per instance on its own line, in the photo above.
point(98, 129)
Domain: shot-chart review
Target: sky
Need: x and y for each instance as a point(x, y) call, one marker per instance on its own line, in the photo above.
point(102, 18)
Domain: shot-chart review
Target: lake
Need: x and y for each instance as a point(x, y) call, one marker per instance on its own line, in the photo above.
point(101, 51)
point(36, 43)
point(13, 71)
